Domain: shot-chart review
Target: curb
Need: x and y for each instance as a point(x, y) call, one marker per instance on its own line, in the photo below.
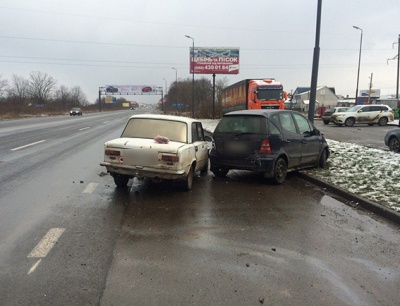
point(376, 208)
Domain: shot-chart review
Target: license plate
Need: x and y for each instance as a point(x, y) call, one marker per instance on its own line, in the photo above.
point(236, 147)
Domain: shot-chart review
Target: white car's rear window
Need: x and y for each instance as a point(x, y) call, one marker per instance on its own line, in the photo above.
point(150, 128)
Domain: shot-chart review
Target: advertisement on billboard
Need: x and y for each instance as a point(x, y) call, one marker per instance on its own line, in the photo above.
point(110, 99)
point(214, 60)
point(132, 89)
point(375, 93)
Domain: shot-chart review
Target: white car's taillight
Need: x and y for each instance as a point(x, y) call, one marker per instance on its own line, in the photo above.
point(173, 158)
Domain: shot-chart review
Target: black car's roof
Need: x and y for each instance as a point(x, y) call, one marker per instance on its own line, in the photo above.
point(258, 112)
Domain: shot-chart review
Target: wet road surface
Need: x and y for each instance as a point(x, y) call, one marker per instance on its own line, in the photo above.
point(239, 241)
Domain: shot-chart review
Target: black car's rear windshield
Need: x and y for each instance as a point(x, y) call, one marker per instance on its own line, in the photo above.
point(242, 124)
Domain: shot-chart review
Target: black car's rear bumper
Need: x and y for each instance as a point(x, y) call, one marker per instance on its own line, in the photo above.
point(255, 163)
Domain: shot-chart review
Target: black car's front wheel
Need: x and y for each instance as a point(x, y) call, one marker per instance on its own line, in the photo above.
point(322, 159)
point(280, 171)
point(394, 144)
point(204, 170)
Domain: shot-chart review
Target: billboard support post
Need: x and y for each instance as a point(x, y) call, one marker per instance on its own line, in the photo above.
point(213, 116)
point(99, 99)
point(192, 68)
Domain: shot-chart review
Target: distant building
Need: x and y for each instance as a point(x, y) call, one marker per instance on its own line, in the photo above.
point(325, 97)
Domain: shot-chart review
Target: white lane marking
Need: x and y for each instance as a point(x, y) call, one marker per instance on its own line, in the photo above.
point(46, 244)
point(34, 266)
point(28, 145)
point(85, 128)
point(90, 188)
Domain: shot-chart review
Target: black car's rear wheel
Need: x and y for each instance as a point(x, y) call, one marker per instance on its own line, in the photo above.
point(219, 171)
point(280, 171)
point(121, 180)
point(394, 144)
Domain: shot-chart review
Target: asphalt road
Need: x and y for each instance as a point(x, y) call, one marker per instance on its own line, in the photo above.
point(362, 134)
point(69, 237)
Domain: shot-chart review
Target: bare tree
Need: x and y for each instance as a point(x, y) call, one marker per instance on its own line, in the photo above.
point(78, 97)
point(220, 84)
point(19, 89)
point(3, 86)
point(40, 86)
point(63, 94)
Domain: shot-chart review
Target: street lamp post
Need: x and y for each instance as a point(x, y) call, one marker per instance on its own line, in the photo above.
point(359, 62)
point(176, 75)
point(176, 84)
point(398, 68)
point(192, 68)
point(166, 89)
point(100, 91)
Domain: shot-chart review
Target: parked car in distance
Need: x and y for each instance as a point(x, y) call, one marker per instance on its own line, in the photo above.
point(157, 147)
point(369, 114)
point(75, 111)
point(326, 116)
point(271, 142)
point(392, 140)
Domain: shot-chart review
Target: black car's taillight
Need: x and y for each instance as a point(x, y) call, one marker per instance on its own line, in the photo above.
point(265, 147)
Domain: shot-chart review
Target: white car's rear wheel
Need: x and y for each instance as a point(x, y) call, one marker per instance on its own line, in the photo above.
point(188, 181)
point(383, 121)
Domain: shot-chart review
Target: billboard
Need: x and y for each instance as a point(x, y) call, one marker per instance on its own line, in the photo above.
point(110, 99)
point(375, 93)
point(214, 60)
point(132, 89)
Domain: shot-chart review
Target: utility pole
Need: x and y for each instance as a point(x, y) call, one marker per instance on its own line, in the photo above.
point(359, 62)
point(370, 86)
point(398, 68)
point(314, 74)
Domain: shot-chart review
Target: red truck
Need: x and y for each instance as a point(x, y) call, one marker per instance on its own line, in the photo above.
point(253, 94)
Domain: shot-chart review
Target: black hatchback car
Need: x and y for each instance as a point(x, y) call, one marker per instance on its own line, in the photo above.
point(271, 142)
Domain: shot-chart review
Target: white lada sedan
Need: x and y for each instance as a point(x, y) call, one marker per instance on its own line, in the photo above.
point(157, 147)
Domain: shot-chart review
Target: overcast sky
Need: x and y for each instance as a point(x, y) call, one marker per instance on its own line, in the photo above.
point(91, 43)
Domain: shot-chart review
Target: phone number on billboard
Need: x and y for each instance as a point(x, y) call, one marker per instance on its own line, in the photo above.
point(216, 67)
